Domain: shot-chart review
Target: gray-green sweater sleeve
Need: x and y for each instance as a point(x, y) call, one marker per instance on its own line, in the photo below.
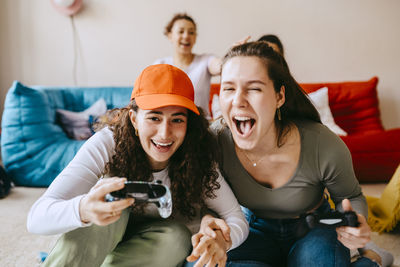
point(335, 165)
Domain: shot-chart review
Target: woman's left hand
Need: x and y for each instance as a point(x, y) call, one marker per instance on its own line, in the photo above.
point(210, 224)
point(354, 237)
point(209, 251)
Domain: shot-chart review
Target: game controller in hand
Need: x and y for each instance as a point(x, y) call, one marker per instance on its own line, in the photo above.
point(332, 219)
point(145, 192)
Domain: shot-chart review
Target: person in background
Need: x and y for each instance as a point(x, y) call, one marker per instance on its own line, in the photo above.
point(279, 158)
point(161, 136)
point(181, 31)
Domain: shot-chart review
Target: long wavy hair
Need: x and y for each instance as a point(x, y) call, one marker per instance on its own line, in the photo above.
point(297, 105)
point(192, 169)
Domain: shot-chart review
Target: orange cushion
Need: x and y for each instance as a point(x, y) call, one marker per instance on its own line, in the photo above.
point(354, 105)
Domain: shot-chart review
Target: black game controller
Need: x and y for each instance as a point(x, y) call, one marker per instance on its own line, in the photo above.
point(145, 192)
point(331, 219)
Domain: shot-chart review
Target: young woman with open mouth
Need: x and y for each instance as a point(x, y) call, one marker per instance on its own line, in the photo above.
point(278, 158)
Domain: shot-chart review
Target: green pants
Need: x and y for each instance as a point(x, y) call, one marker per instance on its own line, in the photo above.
point(151, 243)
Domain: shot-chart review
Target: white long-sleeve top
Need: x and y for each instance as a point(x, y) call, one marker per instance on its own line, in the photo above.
point(57, 210)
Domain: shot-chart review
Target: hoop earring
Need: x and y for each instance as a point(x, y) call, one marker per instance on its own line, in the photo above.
point(278, 113)
point(136, 132)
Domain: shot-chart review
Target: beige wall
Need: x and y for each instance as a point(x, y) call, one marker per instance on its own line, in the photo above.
point(325, 40)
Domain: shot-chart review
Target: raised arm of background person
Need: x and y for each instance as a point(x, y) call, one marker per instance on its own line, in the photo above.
point(214, 65)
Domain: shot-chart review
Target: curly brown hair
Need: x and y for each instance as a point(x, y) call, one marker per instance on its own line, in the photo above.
point(192, 168)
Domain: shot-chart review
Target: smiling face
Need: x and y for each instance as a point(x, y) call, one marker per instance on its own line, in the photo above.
point(161, 132)
point(183, 36)
point(248, 101)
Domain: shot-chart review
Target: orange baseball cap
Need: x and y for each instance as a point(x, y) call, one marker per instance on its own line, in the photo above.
point(164, 85)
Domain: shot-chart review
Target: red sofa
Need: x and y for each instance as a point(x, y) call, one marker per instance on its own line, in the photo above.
point(355, 108)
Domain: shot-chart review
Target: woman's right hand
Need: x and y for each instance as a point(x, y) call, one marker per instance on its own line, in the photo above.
point(93, 208)
point(354, 237)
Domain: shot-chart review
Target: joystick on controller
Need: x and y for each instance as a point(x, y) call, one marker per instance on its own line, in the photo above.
point(155, 193)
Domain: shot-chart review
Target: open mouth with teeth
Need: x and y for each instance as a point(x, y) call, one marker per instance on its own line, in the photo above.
point(162, 147)
point(185, 44)
point(244, 124)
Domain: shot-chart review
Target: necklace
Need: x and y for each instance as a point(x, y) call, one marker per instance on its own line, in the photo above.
point(247, 157)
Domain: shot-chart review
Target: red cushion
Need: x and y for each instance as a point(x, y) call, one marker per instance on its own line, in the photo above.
point(375, 155)
point(354, 105)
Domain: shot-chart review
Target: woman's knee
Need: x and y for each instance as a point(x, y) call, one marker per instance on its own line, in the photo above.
point(72, 247)
point(166, 238)
point(175, 245)
point(157, 243)
point(174, 234)
point(319, 247)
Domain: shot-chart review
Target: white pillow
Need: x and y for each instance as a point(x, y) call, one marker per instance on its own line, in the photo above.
point(320, 100)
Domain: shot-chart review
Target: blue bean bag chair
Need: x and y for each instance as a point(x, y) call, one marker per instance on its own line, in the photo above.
point(34, 148)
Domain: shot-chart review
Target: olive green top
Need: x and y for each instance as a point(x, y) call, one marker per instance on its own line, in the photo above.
point(325, 162)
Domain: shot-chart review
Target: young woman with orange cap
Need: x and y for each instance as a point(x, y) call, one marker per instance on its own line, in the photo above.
point(161, 135)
